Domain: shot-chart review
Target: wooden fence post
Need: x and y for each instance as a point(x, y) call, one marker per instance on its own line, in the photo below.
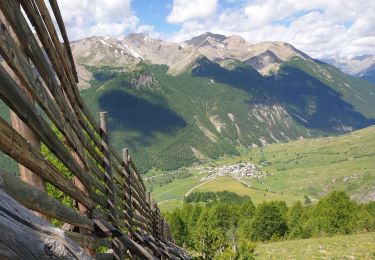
point(153, 233)
point(128, 191)
point(149, 217)
point(110, 191)
point(82, 209)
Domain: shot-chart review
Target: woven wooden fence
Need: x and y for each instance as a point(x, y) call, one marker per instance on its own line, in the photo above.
point(112, 211)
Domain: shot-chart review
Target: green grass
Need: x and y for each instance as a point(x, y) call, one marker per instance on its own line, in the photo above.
point(170, 205)
point(318, 166)
point(230, 184)
point(358, 246)
point(175, 190)
point(311, 167)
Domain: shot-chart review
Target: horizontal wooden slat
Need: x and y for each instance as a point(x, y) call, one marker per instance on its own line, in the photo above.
point(56, 10)
point(18, 148)
point(137, 173)
point(28, 237)
point(41, 201)
point(19, 63)
point(42, 67)
point(84, 240)
point(16, 100)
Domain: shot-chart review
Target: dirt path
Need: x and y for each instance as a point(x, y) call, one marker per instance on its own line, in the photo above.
point(187, 193)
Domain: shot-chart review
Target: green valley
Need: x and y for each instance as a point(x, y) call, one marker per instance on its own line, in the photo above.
point(210, 110)
point(309, 167)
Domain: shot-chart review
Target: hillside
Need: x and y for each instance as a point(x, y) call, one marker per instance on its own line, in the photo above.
point(174, 104)
point(295, 169)
point(179, 103)
point(358, 246)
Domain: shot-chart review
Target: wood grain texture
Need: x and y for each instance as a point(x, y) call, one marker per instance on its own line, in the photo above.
point(29, 237)
point(112, 201)
point(40, 201)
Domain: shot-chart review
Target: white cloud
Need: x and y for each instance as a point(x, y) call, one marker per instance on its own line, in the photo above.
point(265, 12)
point(184, 10)
point(96, 17)
point(320, 28)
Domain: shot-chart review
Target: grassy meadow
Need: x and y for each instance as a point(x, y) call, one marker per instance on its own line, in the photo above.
point(357, 246)
point(257, 196)
point(312, 167)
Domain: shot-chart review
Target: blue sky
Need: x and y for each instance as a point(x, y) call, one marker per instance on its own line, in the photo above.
point(321, 28)
point(155, 13)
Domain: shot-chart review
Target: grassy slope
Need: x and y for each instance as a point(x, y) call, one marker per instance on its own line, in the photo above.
point(304, 167)
point(229, 184)
point(209, 111)
point(317, 166)
point(358, 246)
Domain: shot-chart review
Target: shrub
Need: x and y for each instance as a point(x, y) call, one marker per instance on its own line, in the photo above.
point(269, 221)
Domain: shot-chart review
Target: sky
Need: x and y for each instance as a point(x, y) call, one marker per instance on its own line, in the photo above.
point(320, 28)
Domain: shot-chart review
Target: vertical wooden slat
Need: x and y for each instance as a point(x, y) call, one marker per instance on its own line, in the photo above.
point(128, 191)
point(82, 209)
point(149, 217)
point(110, 190)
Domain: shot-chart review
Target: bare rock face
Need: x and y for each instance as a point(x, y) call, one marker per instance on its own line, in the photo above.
point(107, 51)
point(265, 63)
point(357, 66)
point(145, 81)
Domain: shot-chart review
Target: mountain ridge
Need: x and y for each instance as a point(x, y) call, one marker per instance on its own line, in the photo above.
point(360, 66)
point(140, 47)
point(174, 104)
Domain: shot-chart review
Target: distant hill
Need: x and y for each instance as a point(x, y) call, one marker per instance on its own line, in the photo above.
point(174, 104)
point(360, 66)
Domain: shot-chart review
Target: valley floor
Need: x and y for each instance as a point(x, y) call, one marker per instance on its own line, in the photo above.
point(294, 170)
point(358, 246)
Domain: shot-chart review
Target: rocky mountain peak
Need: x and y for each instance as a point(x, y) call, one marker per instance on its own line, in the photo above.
point(265, 63)
point(135, 47)
point(358, 66)
point(201, 39)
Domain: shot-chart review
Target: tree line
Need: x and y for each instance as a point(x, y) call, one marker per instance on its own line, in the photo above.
point(217, 226)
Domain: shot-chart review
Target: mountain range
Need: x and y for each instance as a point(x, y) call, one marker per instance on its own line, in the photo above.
point(174, 104)
point(360, 66)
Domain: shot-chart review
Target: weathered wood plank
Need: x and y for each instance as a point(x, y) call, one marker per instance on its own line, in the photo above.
point(18, 148)
point(29, 237)
point(29, 43)
point(138, 175)
point(60, 22)
point(40, 201)
point(126, 241)
point(45, 16)
point(22, 68)
point(46, 41)
point(68, 83)
point(110, 190)
point(84, 240)
point(15, 99)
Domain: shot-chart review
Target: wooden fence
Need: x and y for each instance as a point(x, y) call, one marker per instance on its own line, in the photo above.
point(112, 210)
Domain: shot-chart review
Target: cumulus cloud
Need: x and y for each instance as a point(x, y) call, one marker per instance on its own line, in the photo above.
point(184, 10)
point(96, 17)
point(321, 28)
point(335, 28)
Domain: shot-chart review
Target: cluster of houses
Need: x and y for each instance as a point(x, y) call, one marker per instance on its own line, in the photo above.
point(240, 170)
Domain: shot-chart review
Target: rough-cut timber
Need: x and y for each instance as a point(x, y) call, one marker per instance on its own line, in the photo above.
point(41, 202)
point(108, 204)
point(25, 236)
